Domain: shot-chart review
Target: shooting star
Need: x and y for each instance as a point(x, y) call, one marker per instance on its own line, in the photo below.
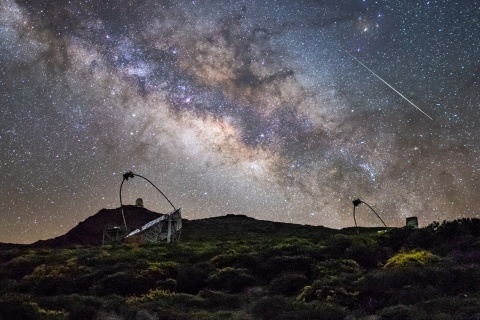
point(401, 95)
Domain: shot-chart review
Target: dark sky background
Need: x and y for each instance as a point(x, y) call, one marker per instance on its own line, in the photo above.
point(243, 107)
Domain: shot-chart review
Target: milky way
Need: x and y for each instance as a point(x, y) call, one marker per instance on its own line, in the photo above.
point(243, 107)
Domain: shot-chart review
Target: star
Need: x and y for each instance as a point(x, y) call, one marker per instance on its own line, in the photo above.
point(249, 108)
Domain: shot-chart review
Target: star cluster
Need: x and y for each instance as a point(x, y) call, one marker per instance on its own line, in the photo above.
point(245, 107)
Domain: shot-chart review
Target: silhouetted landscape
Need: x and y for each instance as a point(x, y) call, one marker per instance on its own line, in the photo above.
point(236, 267)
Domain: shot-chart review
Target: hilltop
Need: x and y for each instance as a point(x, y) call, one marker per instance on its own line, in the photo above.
point(236, 267)
point(228, 227)
point(90, 231)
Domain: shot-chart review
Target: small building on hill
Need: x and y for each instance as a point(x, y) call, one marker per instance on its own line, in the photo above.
point(412, 222)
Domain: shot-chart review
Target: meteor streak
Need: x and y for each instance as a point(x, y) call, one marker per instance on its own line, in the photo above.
point(401, 95)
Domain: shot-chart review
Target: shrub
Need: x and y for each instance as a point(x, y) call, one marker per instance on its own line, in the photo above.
point(347, 267)
point(378, 287)
point(123, 283)
point(82, 313)
point(412, 294)
point(192, 279)
point(231, 280)
point(19, 306)
point(14, 306)
point(76, 304)
point(165, 269)
point(365, 251)
point(277, 265)
point(152, 295)
point(458, 307)
point(288, 284)
point(145, 315)
point(402, 312)
point(23, 265)
point(242, 260)
point(220, 300)
point(336, 283)
point(457, 279)
point(292, 246)
point(413, 258)
point(281, 308)
point(337, 245)
point(421, 238)
point(167, 284)
point(57, 279)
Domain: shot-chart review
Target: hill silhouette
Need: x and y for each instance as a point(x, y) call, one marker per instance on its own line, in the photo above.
point(236, 267)
point(230, 227)
point(90, 231)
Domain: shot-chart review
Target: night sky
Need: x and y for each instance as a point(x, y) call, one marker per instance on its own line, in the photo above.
point(241, 107)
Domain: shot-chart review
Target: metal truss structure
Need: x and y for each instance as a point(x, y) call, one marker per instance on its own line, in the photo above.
point(166, 228)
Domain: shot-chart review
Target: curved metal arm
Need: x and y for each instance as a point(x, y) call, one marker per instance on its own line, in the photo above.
point(356, 203)
point(121, 204)
point(376, 214)
point(128, 175)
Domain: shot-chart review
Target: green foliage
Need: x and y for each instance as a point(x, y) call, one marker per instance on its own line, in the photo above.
point(365, 250)
point(402, 312)
point(193, 278)
point(241, 260)
point(280, 308)
point(221, 300)
point(349, 268)
point(286, 274)
point(152, 295)
point(413, 258)
point(122, 283)
point(274, 266)
point(292, 246)
point(23, 265)
point(18, 306)
point(288, 284)
point(336, 245)
point(231, 280)
point(57, 279)
point(336, 283)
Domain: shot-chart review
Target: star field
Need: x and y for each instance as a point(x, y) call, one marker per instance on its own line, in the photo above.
point(244, 107)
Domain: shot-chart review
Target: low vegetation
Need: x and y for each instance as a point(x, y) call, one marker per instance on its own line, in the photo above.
point(428, 273)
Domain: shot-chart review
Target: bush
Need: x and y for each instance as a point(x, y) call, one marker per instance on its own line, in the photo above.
point(297, 264)
point(163, 270)
point(19, 306)
point(365, 251)
point(378, 287)
point(292, 246)
point(336, 283)
point(412, 294)
point(421, 238)
point(402, 312)
point(220, 300)
point(82, 313)
point(21, 266)
point(337, 245)
point(288, 284)
point(193, 278)
point(57, 279)
point(413, 258)
point(231, 280)
point(76, 304)
point(279, 308)
point(14, 306)
point(241, 260)
point(123, 283)
point(347, 267)
point(458, 307)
